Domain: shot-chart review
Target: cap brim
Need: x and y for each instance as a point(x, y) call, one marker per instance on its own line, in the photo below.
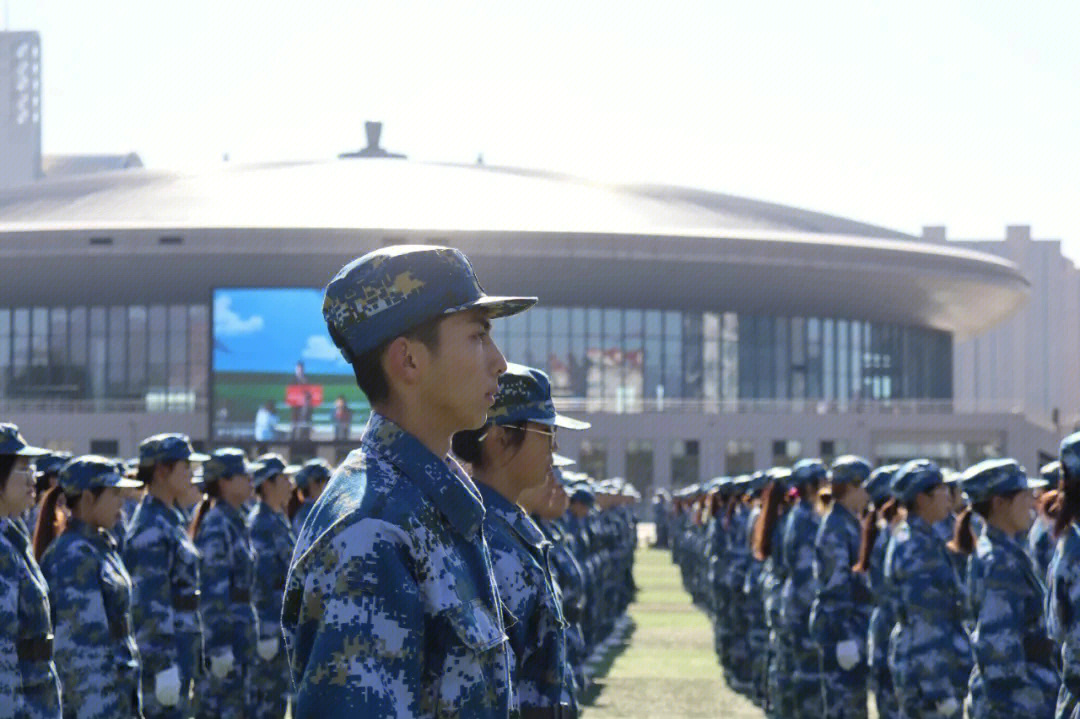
point(496, 306)
point(121, 482)
point(1037, 483)
point(564, 422)
point(559, 460)
point(198, 457)
point(32, 452)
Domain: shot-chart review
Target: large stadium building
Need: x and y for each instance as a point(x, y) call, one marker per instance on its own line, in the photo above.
point(700, 333)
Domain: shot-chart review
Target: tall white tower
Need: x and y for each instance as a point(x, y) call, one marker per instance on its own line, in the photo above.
point(20, 108)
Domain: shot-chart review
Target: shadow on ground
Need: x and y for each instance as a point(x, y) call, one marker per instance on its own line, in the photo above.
point(603, 667)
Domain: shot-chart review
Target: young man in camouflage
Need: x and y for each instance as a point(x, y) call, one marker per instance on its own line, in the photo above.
point(391, 608)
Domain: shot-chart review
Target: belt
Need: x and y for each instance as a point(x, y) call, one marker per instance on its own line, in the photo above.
point(559, 711)
point(240, 596)
point(186, 602)
point(35, 649)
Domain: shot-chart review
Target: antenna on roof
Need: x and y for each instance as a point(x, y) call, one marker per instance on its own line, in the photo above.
point(373, 131)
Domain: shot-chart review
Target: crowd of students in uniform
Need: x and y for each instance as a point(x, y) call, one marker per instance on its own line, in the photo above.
point(154, 588)
point(937, 593)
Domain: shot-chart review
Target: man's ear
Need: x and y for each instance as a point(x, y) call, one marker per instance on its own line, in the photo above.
point(401, 361)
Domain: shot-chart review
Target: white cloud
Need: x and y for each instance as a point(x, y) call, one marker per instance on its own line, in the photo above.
point(227, 323)
point(320, 348)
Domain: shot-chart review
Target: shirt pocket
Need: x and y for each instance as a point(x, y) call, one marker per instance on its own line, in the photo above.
point(473, 663)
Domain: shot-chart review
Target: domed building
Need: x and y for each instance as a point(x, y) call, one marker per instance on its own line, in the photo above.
point(700, 333)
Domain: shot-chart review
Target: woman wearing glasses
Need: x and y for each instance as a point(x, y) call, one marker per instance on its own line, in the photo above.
point(510, 454)
point(29, 686)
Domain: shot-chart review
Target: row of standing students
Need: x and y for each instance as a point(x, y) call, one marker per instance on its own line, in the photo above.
point(167, 614)
point(882, 590)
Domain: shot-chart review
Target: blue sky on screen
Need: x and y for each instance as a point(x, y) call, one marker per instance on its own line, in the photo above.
point(269, 330)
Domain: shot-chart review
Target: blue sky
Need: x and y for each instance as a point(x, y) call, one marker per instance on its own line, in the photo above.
point(963, 113)
point(269, 330)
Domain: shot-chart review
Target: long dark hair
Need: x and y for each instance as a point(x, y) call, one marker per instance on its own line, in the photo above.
point(869, 535)
point(296, 500)
point(1068, 504)
point(213, 494)
point(50, 521)
point(963, 541)
point(771, 504)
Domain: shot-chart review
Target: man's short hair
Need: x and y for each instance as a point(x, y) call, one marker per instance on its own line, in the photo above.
point(368, 369)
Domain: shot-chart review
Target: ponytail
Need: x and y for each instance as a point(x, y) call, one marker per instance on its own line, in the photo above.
point(733, 502)
point(868, 538)
point(963, 541)
point(204, 506)
point(766, 521)
point(50, 522)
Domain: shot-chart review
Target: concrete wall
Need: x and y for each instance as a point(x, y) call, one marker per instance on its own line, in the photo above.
point(1033, 357)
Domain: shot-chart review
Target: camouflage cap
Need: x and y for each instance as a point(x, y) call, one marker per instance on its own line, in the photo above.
point(914, 477)
point(525, 396)
point(1051, 472)
point(168, 447)
point(227, 462)
point(877, 485)
point(585, 496)
point(849, 469)
point(270, 465)
point(389, 291)
point(1069, 454)
point(313, 470)
point(12, 442)
point(51, 463)
point(90, 471)
point(807, 470)
point(982, 481)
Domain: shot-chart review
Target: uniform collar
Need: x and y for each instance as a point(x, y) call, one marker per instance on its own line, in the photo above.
point(172, 514)
point(999, 537)
point(15, 531)
point(917, 523)
point(513, 515)
point(232, 514)
point(441, 480)
point(92, 534)
point(844, 513)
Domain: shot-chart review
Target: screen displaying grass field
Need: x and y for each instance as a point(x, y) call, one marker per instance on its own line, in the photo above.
point(276, 375)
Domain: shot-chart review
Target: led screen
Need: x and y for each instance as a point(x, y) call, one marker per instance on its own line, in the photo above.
point(277, 376)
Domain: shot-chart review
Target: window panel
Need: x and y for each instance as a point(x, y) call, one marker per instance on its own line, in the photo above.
point(178, 349)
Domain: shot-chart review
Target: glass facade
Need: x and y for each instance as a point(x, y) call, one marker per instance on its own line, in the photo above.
point(618, 357)
point(156, 354)
point(625, 356)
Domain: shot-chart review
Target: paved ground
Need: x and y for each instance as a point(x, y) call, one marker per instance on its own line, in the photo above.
point(667, 667)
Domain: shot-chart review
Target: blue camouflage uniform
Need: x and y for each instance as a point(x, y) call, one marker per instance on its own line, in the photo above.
point(781, 697)
point(738, 669)
point(521, 556)
point(90, 592)
point(28, 677)
point(881, 618)
point(391, 606)
point(1014, 671)
point(29, 688)
point(273, 540)
point(1040, 539)
point(228, 567)
point(164, 566)
point(757, 628)
point(929, 650)
point(1063, 600)
point(571, 584)
point(314, 470)
point(842, 602)
point(797, 554)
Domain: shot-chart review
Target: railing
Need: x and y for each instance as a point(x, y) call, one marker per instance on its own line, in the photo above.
point(187, 402)
point(786, 407)
point(154, 404)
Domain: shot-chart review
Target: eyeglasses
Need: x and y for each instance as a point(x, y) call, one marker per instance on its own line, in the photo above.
point(550, 435)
